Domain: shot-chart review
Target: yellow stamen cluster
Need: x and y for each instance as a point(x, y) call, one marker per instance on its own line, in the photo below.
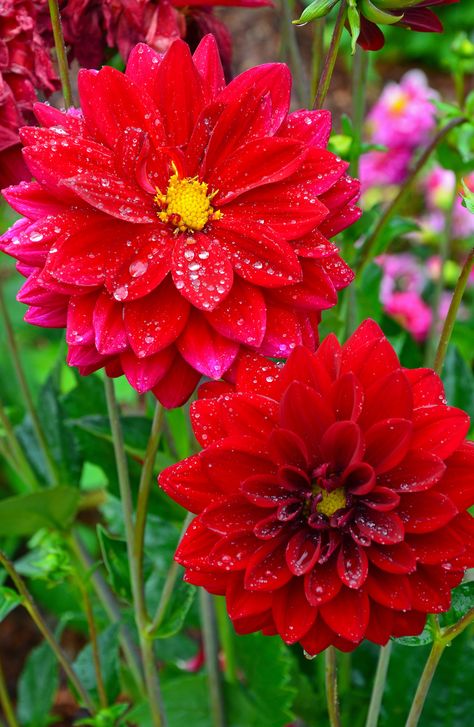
point(186, 204)
point(399, 103)
point(331, 501)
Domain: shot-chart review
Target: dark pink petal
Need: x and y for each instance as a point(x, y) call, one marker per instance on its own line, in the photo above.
point(242, 316)
point(33, 293)
point(177, 385)
point(144, 373)
point(340, 274)
point(439, 429)
point(423, 513)
point(282, 332)
point(32, 200)
point(267, 569)
point(382, 527)
point(257, 374)
point(345, 190)
point(292, 613)
point(418, 471)
point(398, 558)
point(341, 444)
point(322, 583)
point(371, 37)
point(347, 614)
point(359, 478)
point(387, 442)
point(204, 349)
point(155, 321)
point(201, 271)
point(80, 329)
point(352, 563)
point(263, 161)
point(382, 499)
point(55, 317)
point(50, 116)
point(312, 127)
point(287, 448)
point(423, 20)
point(109, 329)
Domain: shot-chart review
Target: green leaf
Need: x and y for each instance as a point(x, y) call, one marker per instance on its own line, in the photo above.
point(106, 717)
point(396, 228)
point(115, 555)
point(368, 293)
point(176, 610)
point(54, 508)
point(186, 702)
point(178, 423)
point(426, 637)
point(317, 9)
point(108, 644)
point(9, 600)
point(37, 687)
point(462, 600)
point(354, 24)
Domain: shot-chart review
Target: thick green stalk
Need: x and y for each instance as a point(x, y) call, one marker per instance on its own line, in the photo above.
point(5, 702)
point(360, 71)
point(330, 61)
point(20, 374)
point(48, 635)
point(144, 494)
point(379, 685)
point(141, 618)
point(60, 52)
point(211, 651)
point(371, 242)
point(452, 313)
point(94, 642)
point(425, 683)
point(331, 687)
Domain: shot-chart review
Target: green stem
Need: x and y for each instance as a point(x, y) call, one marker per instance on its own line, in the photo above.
point(444, 253)
point(110, 605)
point(144, 495)
point(330, 61)
point(6, 703)
point(331, 687)
point(425, 683)
point(226, 638)
point(141, 618)
point(23, 466)
point(379, 685)
point(60, 52)
point(290, 41)
point(94, 642)
point(451, 632)
point(168, 587)
point(452, 313)
point(371, 242)
point(211, 651)
point(317, 53)
point(360, 72)
point(20, 374)
point(48, 635)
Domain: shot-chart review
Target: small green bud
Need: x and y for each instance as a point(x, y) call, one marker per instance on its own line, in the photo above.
point(317, 9)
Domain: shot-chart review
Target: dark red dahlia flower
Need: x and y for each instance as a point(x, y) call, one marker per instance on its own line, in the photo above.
point(180, 220)
point(331, 495)
point(25, 68)
point(92, 26)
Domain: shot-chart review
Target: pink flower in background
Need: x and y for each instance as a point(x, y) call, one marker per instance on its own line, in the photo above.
point(411, 311)
point(25, 67)
point(404, 116)
point(384, 167)
point(438, 187)
point(401, 272)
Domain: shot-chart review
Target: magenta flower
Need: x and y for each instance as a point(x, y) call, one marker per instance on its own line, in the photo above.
point(410, 310)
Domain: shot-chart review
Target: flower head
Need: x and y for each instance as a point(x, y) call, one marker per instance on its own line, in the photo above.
point(323, 515)
point(25, 67)
point(180, 221)
point(411, 311)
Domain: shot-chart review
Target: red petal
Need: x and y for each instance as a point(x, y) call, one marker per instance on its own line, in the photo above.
point(242, 316)
point(266, 490)
point(312, 127)
point(322, 583)
point(79, 319)
point(206, 421)
point(204, 349)
point(352, 563)
point(348, 397)
point(267, 569)
point(382, 499)
point(250, 415)
point(113, 196)
point(208, 64)
point(302, 551)
point(156, 321)
point(387, 443)
point(427, 387)
point(411, 623)
point(368, 354)
point(286, 447)
point(282, 331)
point(457, 481)
point(110, 334)
point(342, 444)
point(418, 471)
point(439, 429)
point(233, 552)
point(390, 590)
point(188, 484)
point(292, 613)
point(398, 558)
point(201, 271)
point(315, 292)
point(425, 511)
point(195, 546)
point(317, 639)
point(307, 414)
point(382, 527)
point(395, 391)
point(347, 614)
point(177, 385)
point(231, 462)
point(431, 591)
point(379, 628)
point(235, 515)
point(359, 478)
point(144, 373)
point(439, 546)
point(242, 603)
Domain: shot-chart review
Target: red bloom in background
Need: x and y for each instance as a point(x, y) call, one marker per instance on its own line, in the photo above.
point(92, 26)
point(180, 220)
point(25, 67)
point(331, 495)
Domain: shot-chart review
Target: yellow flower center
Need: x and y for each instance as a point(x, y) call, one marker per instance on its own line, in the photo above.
point(186, 204)
point(399, 103)
point(331, 502)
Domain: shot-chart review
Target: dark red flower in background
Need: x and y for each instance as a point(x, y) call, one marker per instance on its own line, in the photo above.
point(25, 68)
point(181, 220)
point(331, 495)
point(93, 26)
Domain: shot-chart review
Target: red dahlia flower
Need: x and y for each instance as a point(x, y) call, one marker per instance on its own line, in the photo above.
point(25, 67)
point(180, 219)
point(330, 495)
point(92, 26)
